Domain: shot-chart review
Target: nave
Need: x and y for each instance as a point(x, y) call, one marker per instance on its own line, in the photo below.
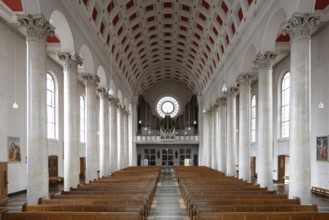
point(171, 199)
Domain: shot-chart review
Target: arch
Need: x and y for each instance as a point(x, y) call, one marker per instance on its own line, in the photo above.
point(102, 76)
point(63, 30)
point(112, 87)
point(233, 73)
point(120, 97)
point(273, 28)
point(88, 63)
point(125, 102)
point(249, 56)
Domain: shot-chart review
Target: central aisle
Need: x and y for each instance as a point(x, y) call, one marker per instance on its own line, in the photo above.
point(168, 203)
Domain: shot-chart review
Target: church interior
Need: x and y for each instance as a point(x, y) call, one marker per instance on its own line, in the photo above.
point(155, 97)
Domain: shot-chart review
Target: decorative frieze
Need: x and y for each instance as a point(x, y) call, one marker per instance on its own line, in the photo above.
point(70, 60)
point(264, 60)
point(37, 27)
point(300, 25)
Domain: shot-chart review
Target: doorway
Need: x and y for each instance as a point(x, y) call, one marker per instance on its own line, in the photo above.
point(167, 157)
point(283, 168)
point(82, 167)
point(253, 167)
point(53, 165)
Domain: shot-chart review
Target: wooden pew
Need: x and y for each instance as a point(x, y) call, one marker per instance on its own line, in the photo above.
point(254, 208)
point(71, 215)
point(263, 216)
point(84, 208)
point(320, 191)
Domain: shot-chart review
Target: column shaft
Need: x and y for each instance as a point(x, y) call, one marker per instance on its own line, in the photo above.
point(125, 139)
point(91, 81)
point(244, 126)
point(205, 152)
point(222, 135)
point(104, 151)
point(113, 135)
point(71, 120)
point(265, 119)
point(37, 151)
point(231, 147)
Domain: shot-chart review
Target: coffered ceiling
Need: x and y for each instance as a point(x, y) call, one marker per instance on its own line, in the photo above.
point(151, 41)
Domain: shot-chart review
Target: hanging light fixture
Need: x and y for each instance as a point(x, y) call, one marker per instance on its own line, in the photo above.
point(15, 105)
point(224, 87)
point(111, 62)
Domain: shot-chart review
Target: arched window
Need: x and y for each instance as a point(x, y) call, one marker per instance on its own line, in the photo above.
point(253, 118)
point(82, 120)
point(285, 105)
point(51, 107)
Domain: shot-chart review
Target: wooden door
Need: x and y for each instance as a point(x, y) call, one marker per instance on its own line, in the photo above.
point(82, 167)
point(281, 168)
point(253, 167)
point(53, 165)
point(3, 182)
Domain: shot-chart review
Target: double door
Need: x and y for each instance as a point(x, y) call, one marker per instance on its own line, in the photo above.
point(167, 157)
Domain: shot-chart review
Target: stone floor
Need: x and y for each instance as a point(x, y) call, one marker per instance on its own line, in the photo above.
point(168, 203)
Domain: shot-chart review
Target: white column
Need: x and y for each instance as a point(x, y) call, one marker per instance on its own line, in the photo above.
point(37, 29)
point(244, 80)
point(214, 118)
point(71, 120)
point(231, 137)
point(210, 136)
point(133, 132)
point(91, 81)
point(265, 118)
point(200, 131)
point(120, 136)
point(113, 134)
point(125, 155)
point(222, 134)
point(205, 151)
point(299, 28)
point(104, 151)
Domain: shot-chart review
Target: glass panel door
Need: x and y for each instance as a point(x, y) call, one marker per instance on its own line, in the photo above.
point(167, 157)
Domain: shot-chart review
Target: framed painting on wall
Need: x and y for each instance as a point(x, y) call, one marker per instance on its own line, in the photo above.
point(14, 149)
point(322, 148)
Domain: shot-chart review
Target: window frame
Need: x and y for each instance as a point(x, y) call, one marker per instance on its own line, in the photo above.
point(53, 105)
point(82, 120)
point(253, 118)
point(285, 105)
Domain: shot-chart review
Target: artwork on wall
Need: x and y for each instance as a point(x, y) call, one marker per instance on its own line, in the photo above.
point(14, 149)
point(322, 148)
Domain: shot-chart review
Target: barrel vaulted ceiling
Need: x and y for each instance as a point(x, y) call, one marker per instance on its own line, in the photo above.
point(149, 41)
point(183, 40)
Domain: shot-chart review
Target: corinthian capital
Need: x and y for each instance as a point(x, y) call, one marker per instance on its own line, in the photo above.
point(103, 93)
point(90, 79)
point(300, 25)
point(232, 92)
point(37, 27)
point(70, 61)
point(264, 60)
point(245, 78)
point(222, 101)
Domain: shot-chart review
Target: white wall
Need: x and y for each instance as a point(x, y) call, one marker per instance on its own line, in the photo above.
point(319, 117)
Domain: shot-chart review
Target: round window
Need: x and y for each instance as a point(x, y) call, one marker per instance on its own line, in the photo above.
point(167, 106)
